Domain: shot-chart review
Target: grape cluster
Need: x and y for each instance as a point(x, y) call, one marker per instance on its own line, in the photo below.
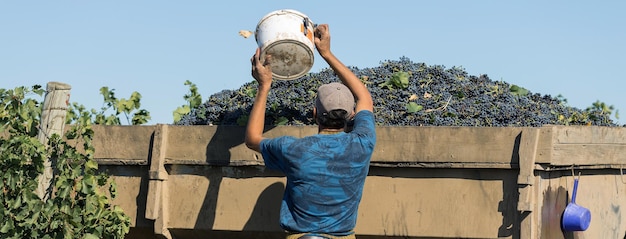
point(439, 96)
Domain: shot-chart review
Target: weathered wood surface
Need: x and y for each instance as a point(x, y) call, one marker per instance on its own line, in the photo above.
point(583, 145)
point(429, 147)
point(425, 182)
point(53, 114)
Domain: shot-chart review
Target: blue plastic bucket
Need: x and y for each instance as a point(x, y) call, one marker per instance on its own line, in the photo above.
point(575, 217)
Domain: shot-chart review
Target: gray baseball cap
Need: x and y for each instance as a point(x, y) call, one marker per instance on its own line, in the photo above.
point(334, 96)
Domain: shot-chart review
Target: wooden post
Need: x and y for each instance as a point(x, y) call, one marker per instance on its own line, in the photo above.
point(526, 204)
point(158, 194)
point(53, 116)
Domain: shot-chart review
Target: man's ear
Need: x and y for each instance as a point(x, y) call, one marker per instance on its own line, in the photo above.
point(315, 115)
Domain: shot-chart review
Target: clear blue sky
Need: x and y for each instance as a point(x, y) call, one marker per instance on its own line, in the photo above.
point(573, 48)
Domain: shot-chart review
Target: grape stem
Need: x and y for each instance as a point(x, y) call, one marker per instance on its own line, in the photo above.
point(443, 107)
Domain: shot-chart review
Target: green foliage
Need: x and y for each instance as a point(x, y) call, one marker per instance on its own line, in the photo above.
point(243, 120)
point(413, 107)
point(130, 108)
point(598, 113)
point(282, 120)
point(193, 98)
point(399, 79)
point(79, 205)
point(600, 109)
point(18, 112)
point(518, 91)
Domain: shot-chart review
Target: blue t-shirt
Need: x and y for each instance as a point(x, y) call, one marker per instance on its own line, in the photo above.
point(325, 176)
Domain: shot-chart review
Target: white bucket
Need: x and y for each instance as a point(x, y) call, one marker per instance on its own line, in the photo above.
point(286, 35)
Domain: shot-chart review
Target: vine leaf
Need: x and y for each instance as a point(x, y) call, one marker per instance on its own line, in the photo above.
point(413, 107)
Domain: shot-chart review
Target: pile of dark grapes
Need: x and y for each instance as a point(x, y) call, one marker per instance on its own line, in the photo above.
point(433, 96)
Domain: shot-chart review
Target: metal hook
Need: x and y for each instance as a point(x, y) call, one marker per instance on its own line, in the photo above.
point(306, 23)
point(574, 173)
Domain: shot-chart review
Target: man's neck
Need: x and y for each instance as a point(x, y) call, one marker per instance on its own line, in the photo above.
point(329, 131)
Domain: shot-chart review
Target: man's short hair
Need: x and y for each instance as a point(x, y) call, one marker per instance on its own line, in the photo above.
point(335, 119)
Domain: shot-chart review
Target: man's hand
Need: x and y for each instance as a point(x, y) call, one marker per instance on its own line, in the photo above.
point(360, 92)
point(261, 70)
point(322, 39)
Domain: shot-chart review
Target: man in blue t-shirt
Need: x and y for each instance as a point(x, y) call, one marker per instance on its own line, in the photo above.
point(325, 172)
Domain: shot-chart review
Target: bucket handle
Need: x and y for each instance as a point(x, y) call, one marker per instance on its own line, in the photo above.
point(621, 172)
point(575, 188)
point(575, 185)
